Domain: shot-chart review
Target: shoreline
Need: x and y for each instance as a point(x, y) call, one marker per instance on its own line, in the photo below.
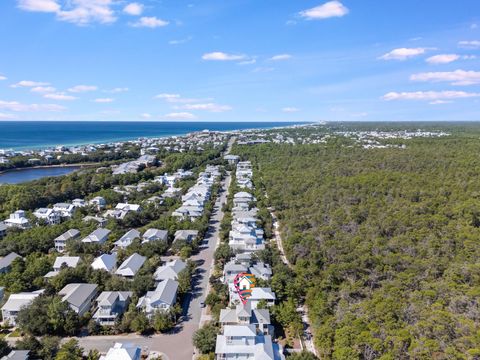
point(79, 165)
point(123, 140)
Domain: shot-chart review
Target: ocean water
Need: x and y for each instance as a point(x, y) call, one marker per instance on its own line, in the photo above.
point(21, 135)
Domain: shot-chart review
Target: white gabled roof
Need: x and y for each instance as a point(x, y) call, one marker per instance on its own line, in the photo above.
point(105, 262)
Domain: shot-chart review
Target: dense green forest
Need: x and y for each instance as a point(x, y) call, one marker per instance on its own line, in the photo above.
point(386, 242)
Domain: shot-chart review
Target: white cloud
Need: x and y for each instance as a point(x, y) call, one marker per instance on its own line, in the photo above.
point(474, 26)
point(180, 116)
point(150, 22)
point(457, 77)
point(438, 102)
point(176, 98)
point(146, 116)
point(59, 97)
point(327, 10)
point(39, 5)
point(180, 41)
point(43, 89)
point(3, 77)
point(221, 56)
point(281, 57)
point(262, 69)
point(19, 107)
point(442, 59)
point(403, 53)
point(28, 83)
point(472, 44)
point(118, 90)
point(134, 9)
point(212, 107)
point(84, 12)
point(103, 100)
point(248, 62)
point(83, 88)
point(429, 95)
point(4, 116)
point(290, 109)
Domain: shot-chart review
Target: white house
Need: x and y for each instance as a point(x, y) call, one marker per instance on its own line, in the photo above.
point(79, 296)
point(61, 241)
point(60, 261)
point(121, 351)
point(127, 239)
point(98, 236)
point(155, 235)
point(98, 202)
point(18, 220)
point(131, 265)
point(242, 342)
point(170, 270)
point(161, 299)
point(50, 216)
point(15, 303)
point(259, 294)
point(105, 262)
point(65, 210)
point(111, 304)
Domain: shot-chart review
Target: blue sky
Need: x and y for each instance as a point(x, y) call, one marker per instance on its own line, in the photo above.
point(240, 60)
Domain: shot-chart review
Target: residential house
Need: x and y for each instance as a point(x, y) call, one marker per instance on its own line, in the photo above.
point(98, 236)
point(185, 235)
point(122, 209)
point(155, 235)
point(111, 304)
point(79, 203)
point(243, 314)
point(242, 342)
point(50, 216)
point(261, 270)
point(15, 303)
point(127, 239)
point(65, 210)
point(61, 241)
point(121, 351)
point(232, 269)
point(170, 270)
point(232, 159)
point(131, 265)
point(99, 220)
point(98, 202)
point(63, 261)
point(6, 262)
point(105, 262)
point(242, 200)
point(79, 296)
point(259, 294)
point(161, 299)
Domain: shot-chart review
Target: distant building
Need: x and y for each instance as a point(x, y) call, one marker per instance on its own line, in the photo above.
point(98, 236)
point(61, 241)
point(18, 220)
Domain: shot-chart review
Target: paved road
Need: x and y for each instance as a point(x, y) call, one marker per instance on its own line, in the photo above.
point(302, 310)
point(178, 346)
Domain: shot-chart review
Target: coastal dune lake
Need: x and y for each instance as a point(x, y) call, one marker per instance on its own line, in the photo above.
point(24, 175)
